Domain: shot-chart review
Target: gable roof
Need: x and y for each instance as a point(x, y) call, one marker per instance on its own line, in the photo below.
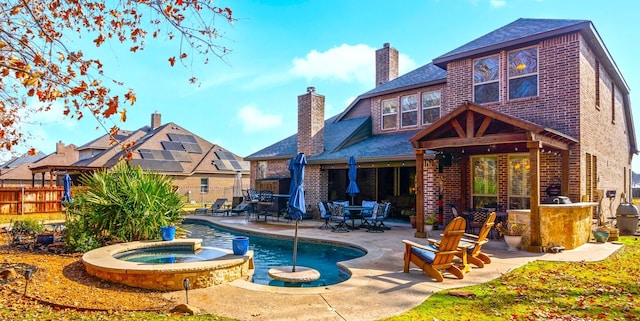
point(426, 75)
point(168, 149)
point(515, 34)
point(472, 125)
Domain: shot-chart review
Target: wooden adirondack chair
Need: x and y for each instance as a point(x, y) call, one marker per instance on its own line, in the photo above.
point(474, 251)
point(430, 258)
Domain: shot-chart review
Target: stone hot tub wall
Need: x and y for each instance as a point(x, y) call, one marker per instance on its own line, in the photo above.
point(168, 277)
point(567, 225)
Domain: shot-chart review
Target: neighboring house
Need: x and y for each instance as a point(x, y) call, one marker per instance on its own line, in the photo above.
point(202, 171)
point(16, 172)
point(535, 104)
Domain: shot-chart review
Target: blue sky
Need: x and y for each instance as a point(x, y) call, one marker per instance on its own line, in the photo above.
point(279, 48)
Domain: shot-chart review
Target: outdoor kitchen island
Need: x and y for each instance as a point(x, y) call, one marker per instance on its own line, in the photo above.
point(566, 225)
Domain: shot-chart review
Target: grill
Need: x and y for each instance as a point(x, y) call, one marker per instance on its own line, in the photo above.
point(554, 197)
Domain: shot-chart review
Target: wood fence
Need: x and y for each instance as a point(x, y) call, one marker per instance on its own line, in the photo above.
point(26, 200)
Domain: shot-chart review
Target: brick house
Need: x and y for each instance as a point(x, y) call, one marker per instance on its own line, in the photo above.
point(536, 104)
point(202, 171)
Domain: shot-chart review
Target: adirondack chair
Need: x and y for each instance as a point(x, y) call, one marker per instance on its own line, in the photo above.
point(432, 259)
point(474, 251)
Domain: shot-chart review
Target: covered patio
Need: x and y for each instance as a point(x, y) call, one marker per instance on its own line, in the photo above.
point(487, 158)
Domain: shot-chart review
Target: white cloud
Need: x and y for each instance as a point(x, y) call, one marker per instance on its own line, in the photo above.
point(255, 120)
point(346, 63)
point(497, 3)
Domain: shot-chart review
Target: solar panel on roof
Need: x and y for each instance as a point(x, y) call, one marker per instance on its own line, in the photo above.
point(171, 145)
point(192, 148)
point(223, 154)
point(166, 155)
point(174, 137)
point(189, 139)
point(146, 154)
point(235, 164)
point(219, 164)
point(181, 156)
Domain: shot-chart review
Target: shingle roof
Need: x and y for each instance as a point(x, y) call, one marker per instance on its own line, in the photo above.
point(428, 73)
point(335, 135)
point(376, 147)
point(514, 34)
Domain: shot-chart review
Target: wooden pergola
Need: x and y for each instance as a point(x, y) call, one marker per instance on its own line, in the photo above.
point(472, 130)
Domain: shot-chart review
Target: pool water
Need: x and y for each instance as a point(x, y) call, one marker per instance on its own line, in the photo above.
point(168, 255)
point(271, 252)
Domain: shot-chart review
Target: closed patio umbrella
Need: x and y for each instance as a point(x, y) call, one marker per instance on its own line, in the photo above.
point(296, 205)
point(66, 197)
point(237, 188)
point(352, 188)
point(297, 208)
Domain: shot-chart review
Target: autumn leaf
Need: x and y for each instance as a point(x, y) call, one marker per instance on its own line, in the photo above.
point(112, 107)
point(131, 97)
point(172, 61)
point(32, 151)
point(123, 115)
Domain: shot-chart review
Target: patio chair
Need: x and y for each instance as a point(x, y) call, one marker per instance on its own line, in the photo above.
point(432, 259)
point(338, 215)
point(265, 202)
point(368, 213)
point(219, 207)
point(371, 222)
point(474, 252)
point(325, 215)
point(385, 215)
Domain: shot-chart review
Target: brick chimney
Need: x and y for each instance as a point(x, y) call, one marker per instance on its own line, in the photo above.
point(386, 64)
point(311, 123)
point(60, 148)
point(155, 120)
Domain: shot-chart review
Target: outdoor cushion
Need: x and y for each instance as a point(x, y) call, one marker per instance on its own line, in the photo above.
point(426, 255)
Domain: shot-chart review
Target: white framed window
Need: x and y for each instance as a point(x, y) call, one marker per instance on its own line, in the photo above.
point(390, 114)
point(486, 79)
point(523, 72)
point(519, 182)
point(431, 107)
point(409, 110)
point(204, 185)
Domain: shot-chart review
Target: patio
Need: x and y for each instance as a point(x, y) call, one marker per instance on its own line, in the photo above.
point(377, 288)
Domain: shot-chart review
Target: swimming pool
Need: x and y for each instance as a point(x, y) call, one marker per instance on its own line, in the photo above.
point(272, 252)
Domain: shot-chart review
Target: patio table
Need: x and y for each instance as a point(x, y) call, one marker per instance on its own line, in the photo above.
point(355, 212)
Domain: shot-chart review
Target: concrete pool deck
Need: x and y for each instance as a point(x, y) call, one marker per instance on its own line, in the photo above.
point(377, 288)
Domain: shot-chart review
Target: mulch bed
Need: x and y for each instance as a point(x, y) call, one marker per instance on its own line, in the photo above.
point(60, 281)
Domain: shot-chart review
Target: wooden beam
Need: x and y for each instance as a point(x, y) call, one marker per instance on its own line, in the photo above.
point(534, 196)
point(509, 138)
point(456, 125)
point(550, 142)
point(484, 126)
point(471, 124)
point(420, 194)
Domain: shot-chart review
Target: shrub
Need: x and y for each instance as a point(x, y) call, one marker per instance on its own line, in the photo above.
point(121, 204)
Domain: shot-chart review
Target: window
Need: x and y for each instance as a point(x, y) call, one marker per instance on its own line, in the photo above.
point(519, 184)
point(389, 114)
point(523, 73)
point(204, 185)
point(430, 107)
point(486, 79)
point(485, 181)
point(409, 109)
